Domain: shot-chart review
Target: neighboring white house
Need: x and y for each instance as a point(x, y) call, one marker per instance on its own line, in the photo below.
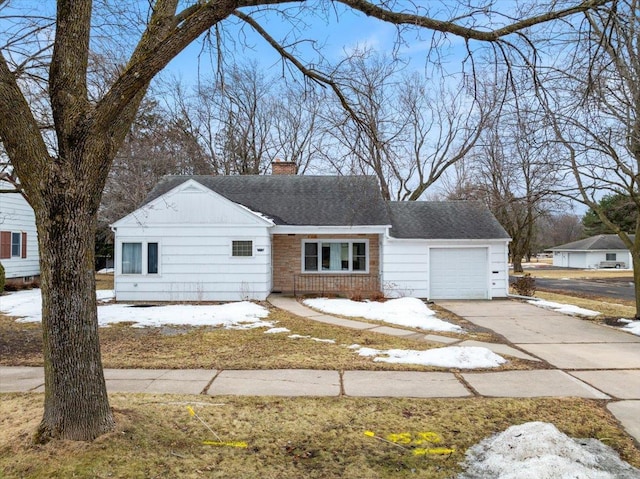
point(220, 238)
point(594, 252)
point(18, 237)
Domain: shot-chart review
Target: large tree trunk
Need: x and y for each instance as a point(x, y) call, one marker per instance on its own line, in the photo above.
point(517, 263)
point(76, 405)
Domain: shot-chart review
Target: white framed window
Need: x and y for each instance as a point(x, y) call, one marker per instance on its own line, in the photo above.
point(133, 261)
point(611, 256)
point(335, 256)
point(242, 248)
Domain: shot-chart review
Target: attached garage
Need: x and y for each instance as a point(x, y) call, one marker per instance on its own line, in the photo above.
point(458, 273)
point(445, 250)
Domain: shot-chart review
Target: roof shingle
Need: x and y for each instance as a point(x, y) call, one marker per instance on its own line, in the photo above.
point(297, 200)
point(444, 220)
point(599, 242)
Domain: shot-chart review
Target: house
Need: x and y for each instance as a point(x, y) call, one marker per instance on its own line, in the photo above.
point(593, 252)
point(219, 238)
point(18, 238)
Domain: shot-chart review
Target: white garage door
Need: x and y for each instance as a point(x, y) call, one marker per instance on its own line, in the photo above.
point(458, 273)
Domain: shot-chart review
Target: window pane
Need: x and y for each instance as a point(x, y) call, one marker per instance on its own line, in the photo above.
point(344, 256)
point(131, 258)
point(359, 257)
point(15, 244)
point(242, 248)
point(311, 256)
point(152, 258)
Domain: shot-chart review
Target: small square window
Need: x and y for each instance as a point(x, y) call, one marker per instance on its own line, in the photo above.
point(242, 248)
point(611, 256)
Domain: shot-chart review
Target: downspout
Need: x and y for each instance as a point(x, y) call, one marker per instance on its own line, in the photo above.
point(115, 260)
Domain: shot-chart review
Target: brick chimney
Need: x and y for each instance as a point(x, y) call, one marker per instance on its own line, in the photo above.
point(279, 167)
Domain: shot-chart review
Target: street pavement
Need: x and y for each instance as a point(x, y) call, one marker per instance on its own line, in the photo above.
point(619, 288)
point(587, 360)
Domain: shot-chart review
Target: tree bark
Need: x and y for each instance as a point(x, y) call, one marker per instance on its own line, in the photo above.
point(517, 264)
point(635, 259)
point(76, 406)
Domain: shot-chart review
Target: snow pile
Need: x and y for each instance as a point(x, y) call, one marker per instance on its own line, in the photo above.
point(631, 326)
point(27, 305)
point(410, 312)
point(563, 308)
point(447, 357)
point(537, 450)
point(241, 315)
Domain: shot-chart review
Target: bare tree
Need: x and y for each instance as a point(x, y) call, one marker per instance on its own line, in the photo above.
point(64, 172)
point(513, 172)
point(405, 131)
point(558, 229)
point(592, 96)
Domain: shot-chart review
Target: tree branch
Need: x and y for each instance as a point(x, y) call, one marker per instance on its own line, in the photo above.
point(465, 32)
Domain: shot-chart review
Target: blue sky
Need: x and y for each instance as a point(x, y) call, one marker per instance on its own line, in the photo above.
point(336, 36)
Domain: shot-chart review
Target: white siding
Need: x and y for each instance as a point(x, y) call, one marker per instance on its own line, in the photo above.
point(589, 259)
point(405, 268)
point(405, 265)
point(17, 216)
point(194, 230)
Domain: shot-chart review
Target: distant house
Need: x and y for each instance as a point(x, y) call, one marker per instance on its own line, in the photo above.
point(599, 251)
point(18, 238)
point(215, 238)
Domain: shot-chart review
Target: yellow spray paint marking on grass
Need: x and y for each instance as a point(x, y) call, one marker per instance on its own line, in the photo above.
point(406, 440)
point(239, 444)
point(219, 442)
point(438, 451)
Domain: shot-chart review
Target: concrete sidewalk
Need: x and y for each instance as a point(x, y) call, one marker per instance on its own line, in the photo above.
point(307, 382)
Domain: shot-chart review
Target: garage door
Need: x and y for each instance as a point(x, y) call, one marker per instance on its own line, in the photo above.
point(458, 273)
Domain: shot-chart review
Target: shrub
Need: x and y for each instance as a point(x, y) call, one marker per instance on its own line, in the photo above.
point(525, 285)
point(2, 278)
point(356, 296)
point(377, 296)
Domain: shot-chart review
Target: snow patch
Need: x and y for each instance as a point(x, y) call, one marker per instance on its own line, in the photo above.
point(448, 357)
point(538, 450)
point(563, 308)
point(27, 305)
point(298, 336)
point(409, 312)
point(632, 327)
point(277, 330)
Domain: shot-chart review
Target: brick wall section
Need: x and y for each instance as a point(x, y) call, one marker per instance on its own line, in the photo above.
point(287, 257)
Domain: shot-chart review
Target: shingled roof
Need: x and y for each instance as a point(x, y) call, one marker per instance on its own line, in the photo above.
point(599, 242)
point(444, 220)
point(297, 200)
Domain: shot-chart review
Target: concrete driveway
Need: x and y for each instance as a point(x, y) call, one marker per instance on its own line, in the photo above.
point(600, 356)
point(563, 341)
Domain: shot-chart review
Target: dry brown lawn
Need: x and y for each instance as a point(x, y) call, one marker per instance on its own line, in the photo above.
point(104, 281)
point(285, 438)
point(577, 273)
point(609, 307)
point(182, 347)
